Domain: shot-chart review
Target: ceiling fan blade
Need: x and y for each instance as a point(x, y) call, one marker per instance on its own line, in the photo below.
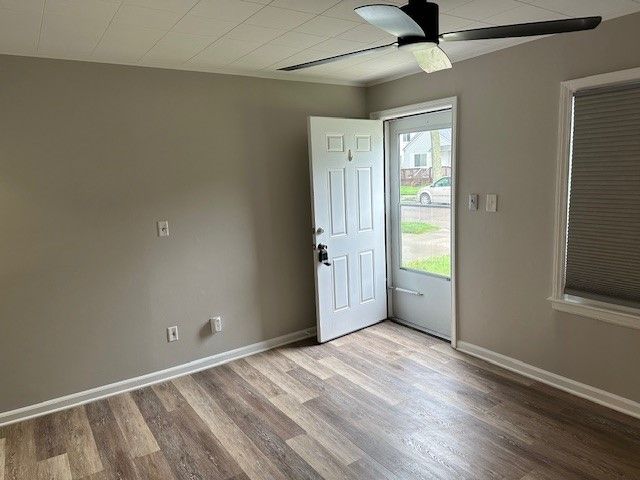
point(524, 29)
point(432, 59)
point(391, 19)
point(337, 57)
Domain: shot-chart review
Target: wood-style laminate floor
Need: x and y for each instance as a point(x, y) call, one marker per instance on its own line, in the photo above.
point(383, 403)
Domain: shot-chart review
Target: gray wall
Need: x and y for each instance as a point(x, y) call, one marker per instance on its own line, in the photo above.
point(508, 123)
point(91, 156)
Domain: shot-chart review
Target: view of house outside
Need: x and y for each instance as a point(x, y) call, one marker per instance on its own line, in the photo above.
point(425, 197)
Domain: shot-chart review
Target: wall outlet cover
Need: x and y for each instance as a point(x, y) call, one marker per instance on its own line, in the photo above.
point(216, 324)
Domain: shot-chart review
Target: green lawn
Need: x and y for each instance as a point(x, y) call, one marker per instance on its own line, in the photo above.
point(408, 190)
point(439, 265)
point(418, 227)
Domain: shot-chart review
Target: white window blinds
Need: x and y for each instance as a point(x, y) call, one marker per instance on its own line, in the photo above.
point(603, 232)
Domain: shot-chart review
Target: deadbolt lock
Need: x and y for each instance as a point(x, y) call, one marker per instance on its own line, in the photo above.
point(323, 255)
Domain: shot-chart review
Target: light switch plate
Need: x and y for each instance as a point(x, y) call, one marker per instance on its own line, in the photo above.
point(473, 202)
point(172, 334)
point(163, 228)
point(492, 202)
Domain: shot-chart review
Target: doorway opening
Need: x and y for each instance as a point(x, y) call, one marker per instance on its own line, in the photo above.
point(383, 211)
point(420, 183)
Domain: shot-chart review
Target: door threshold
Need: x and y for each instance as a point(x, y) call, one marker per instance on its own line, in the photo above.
point(429, 332)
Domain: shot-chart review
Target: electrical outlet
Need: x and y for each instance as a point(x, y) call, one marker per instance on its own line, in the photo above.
point(216, 324)
point(172, 334)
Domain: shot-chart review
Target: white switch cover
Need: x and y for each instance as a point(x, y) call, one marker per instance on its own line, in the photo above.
point(172, 334)
point(492, 202)
point(163, 228)
point(473, 202)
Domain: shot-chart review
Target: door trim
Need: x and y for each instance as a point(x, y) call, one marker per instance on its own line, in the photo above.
point(416, 109)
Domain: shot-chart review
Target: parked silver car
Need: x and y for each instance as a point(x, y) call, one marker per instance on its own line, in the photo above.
point(438, 192)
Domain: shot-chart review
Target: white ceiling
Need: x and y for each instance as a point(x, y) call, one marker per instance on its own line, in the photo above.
point(255, 37)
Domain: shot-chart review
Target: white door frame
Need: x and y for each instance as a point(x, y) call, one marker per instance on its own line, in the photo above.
point(415, 109)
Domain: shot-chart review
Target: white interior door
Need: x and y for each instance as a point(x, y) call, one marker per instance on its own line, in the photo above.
point(421, 220)
point(347, 189)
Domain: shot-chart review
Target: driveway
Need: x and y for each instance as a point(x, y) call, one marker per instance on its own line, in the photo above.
point(431, 244)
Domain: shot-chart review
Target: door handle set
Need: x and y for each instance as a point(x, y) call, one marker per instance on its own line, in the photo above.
point(323, 255)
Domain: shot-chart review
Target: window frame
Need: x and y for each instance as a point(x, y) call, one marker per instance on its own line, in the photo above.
point(604, 311)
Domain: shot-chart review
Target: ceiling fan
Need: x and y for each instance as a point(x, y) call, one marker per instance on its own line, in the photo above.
point(416, 27)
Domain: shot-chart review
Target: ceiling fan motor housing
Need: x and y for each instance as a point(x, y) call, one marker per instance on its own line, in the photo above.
point(426, 15)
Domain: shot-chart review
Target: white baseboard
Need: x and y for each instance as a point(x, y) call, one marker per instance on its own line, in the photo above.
point(582, 390)
point(98, 393)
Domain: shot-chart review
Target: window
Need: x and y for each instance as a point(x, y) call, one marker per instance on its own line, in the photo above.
point(598, 226)
point(420, 160)
point(424, 244)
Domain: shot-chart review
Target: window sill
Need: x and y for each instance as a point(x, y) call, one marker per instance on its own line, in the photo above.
point(606, 312)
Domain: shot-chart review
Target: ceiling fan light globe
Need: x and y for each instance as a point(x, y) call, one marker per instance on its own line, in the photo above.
point(432, 59)
point(418, 45)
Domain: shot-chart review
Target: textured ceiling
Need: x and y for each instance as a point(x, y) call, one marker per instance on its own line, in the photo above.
point(255, 37)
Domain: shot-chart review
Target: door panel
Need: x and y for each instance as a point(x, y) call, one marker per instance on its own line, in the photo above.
point(367, 277)
point(365, 202)
point(347, 187)
point(341, 295)
point(337, 202)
